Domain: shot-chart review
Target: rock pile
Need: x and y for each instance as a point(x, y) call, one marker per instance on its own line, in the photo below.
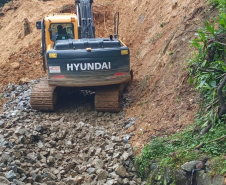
point(70, 147)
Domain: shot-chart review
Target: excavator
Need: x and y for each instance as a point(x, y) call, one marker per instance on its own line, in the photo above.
point(73, 57)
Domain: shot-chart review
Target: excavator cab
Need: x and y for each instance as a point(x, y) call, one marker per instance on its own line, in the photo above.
point(63, 30)
point(58, 31)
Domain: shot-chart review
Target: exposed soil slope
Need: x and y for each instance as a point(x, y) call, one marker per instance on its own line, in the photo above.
point(157, 33)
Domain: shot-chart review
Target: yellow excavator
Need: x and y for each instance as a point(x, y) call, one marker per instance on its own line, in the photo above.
point(73, 57)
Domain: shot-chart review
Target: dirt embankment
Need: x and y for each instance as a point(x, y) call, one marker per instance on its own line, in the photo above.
point(157, 33)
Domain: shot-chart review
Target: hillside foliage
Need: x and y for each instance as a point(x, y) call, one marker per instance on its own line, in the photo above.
point(206, 137)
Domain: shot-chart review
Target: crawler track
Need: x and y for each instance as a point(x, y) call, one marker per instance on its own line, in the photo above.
point(107, 98)
point(43, 96)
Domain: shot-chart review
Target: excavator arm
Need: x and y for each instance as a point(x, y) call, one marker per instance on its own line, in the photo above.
point(84, 10)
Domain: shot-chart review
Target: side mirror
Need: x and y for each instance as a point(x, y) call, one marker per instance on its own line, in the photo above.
point(38, 25)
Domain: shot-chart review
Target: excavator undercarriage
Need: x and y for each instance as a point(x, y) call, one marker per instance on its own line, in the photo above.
point(107, 98)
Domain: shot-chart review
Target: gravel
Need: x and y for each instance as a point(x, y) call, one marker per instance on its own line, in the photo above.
point(76, 145)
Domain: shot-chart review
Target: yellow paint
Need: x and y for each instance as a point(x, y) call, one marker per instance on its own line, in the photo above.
point(53, 55)
point(122, 42)
point(124, 52)
point(60, 18)
point(49, 47)
point(72, 19)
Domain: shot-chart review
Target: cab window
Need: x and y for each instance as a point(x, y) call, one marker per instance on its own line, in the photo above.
point(61, 31)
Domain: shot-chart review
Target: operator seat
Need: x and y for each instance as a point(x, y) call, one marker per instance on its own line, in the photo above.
point(61, 30)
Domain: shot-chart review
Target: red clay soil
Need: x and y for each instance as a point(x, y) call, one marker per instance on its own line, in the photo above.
point(157, 33)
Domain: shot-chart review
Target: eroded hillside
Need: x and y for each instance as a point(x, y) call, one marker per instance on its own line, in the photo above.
point(157, 32)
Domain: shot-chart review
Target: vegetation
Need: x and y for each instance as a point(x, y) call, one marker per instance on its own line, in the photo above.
point(206, 138)
point(3, 2)
point(177, 149)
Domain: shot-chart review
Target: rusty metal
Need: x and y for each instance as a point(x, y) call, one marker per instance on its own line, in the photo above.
point(107, 98)
point(43, 96)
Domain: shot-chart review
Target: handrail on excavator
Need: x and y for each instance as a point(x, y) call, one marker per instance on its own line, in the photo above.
point(116, 24)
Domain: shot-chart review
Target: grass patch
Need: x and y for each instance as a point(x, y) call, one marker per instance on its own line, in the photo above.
point(144, 82)
point(175, 150)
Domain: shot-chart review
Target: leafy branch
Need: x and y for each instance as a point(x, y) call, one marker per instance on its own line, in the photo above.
point(206, 66)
